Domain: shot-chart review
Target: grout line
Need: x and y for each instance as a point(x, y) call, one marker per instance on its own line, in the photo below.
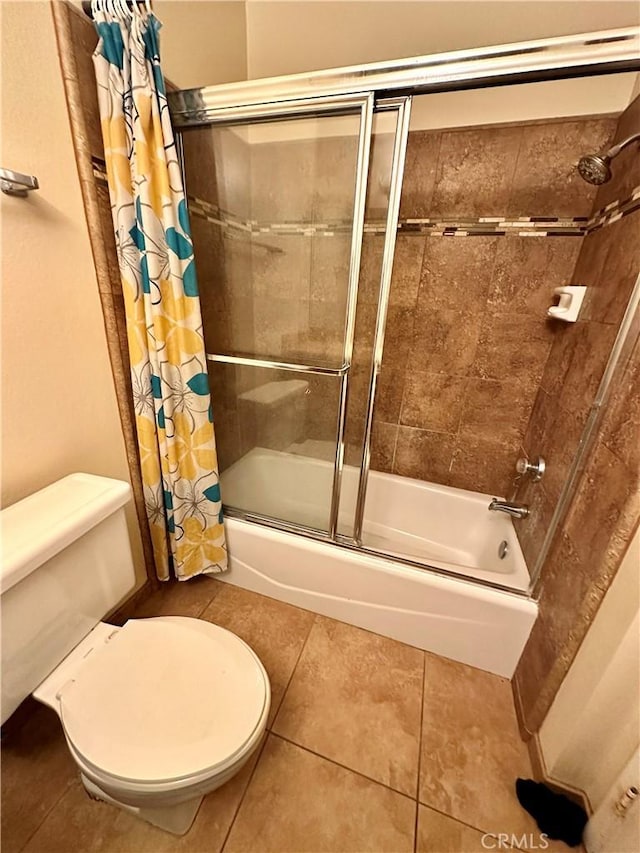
point(424, 678)
point(480, 829)
point(514, 171)
point(417, 801)
point(244, 793)
point(215, 595)
point(72, 783)
point(295, 666)
point(343, 766)
point(395, 447)
point(436, 161)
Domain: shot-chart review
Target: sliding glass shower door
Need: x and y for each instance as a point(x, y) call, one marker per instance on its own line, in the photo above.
point(277, 197)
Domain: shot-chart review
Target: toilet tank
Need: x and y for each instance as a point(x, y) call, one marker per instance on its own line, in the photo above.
point(66, 562)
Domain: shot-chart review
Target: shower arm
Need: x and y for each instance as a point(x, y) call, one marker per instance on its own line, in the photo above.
point(616, 149)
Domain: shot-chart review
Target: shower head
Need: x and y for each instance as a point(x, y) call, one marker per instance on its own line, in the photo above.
point(596, 168)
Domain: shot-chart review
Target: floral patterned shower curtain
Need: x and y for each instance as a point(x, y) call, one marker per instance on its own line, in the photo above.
point(164, 326)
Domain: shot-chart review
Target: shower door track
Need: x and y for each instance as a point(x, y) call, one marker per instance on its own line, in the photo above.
point(582, 55)
point(346, 543)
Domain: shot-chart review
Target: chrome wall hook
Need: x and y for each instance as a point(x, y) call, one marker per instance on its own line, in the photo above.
point(15, 183)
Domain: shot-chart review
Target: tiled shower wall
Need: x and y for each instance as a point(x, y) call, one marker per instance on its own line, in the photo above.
point(468, 336)
point(608, 264)
point(605, 511)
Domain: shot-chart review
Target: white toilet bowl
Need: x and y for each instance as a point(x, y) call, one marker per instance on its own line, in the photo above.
point(159, 713)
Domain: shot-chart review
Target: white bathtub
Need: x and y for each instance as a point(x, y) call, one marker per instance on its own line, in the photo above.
point(450, 528)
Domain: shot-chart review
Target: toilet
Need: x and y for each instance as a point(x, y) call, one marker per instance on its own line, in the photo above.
point(156, 714)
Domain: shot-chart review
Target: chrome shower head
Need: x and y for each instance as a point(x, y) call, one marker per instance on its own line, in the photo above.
point(595, 169)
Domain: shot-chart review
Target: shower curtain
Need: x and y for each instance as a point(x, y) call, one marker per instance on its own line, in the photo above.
point(174, 418)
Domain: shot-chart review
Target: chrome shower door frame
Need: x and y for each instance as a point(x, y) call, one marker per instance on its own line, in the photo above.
point(347, 104)
point(559, 57)
point(402, 106)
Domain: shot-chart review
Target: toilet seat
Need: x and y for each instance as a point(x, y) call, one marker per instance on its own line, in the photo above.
point(167, 702)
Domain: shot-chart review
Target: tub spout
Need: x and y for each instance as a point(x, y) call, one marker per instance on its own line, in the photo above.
point(514, 510)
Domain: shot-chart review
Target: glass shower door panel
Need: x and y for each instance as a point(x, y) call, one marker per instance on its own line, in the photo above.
point(273, 214)
point(276, 438)
point(277, 199)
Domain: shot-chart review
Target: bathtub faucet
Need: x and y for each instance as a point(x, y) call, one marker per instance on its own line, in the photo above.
point(514, 510)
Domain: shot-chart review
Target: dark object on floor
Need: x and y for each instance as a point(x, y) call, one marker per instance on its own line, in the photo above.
point(556, 815)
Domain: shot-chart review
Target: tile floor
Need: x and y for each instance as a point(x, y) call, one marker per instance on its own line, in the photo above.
point(372, 746)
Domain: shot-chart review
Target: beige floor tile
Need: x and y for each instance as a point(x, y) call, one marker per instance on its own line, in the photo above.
point(440, 834)
point(274, 630)
point(36, 770)
point(355, 697)
point(300, 802)
point(471, 749)
point(184, 598)
point(81, 825)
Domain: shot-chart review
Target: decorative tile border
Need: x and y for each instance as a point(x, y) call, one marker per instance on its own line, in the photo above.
point(495, 226)
point(614, 211)
point(482, 226)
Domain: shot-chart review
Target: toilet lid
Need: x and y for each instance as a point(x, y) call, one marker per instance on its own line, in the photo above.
point(166, 698)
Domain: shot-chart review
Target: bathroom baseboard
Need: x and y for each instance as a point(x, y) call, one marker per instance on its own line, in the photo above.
point(127, 609)
point(541, 774)
point(22, 714)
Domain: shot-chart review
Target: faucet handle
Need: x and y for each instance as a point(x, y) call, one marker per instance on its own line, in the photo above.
point(534, 469)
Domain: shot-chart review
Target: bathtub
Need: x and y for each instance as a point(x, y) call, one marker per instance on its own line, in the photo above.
point(439, 611)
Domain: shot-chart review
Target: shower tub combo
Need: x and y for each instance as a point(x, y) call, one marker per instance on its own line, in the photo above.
point(295, 220)
point(445, 527)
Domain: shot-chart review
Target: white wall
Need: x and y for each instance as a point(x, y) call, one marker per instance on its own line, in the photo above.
point(609, 93)
point(202, 41)
point(205, 42)
point(593, 725)
point(610, 830)
point(289, 37)
point(59, 411)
